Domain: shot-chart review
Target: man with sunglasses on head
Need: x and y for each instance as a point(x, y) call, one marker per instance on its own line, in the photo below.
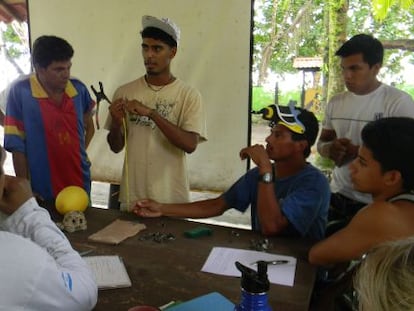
point(287, 195)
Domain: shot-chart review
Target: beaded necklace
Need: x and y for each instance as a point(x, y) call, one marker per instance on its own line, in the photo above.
point(157, 88)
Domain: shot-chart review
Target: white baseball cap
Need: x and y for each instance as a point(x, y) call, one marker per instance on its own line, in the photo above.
point(164, 24)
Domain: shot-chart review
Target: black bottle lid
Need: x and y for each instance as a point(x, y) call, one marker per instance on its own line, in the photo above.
point(252, 281)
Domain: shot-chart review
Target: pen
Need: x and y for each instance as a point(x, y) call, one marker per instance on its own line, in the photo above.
point(272, 262)
point(169, 305)
point(84, 253)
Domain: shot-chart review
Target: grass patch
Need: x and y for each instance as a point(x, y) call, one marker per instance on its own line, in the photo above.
point(262, 98)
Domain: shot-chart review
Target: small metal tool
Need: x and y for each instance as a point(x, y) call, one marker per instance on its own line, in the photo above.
point(99, 97)
point(261, 245)
point(272, 262)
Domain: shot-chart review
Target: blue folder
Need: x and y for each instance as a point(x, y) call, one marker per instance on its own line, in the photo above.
point(213, 301)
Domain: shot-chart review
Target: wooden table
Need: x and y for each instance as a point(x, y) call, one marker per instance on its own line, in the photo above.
point(166, 271)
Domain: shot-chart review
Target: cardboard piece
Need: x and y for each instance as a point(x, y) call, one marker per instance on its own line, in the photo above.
point(117, 231)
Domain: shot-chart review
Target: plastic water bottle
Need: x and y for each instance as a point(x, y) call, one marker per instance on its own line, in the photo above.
point(254, 288)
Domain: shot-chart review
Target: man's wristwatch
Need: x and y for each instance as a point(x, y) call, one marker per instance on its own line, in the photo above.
point(266, 178)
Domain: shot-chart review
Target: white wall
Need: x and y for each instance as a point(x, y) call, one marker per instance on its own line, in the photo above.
point(213, 56)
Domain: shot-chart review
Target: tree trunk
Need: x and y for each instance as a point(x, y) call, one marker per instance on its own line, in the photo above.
point(277, 34)
point(268, 49)
point(337, 36)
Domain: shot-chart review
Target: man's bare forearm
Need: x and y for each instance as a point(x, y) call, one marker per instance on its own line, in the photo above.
point(186, 141)
point(89, 129)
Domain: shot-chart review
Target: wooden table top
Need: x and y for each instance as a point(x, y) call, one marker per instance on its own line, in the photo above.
point(171, 270)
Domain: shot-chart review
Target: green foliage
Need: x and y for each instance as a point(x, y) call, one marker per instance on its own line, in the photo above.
point(407, 88)
point(290, 41)
point(309, 36)
point(11, 36)
point(324, 164)
point(285, 97)
point(381, 8)
point(13, 42)
point(262, 98)
point(397, 25)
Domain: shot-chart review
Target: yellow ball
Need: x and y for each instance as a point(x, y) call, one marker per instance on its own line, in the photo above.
point(71, 198)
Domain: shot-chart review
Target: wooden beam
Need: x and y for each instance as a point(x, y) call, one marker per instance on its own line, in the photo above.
point(8, 12)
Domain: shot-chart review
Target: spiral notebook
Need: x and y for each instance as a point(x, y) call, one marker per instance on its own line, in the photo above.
point(109, 271)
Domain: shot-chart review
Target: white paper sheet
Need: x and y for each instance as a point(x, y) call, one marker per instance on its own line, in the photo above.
point(222, 261)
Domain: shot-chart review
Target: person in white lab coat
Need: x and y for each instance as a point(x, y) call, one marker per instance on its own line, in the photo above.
point(39, 270)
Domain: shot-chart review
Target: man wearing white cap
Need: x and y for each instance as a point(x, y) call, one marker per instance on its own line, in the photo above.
point(164, 120)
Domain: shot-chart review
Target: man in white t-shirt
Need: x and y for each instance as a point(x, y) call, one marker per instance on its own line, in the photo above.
point(367, 99)
point(39, 270)
point(164, 120)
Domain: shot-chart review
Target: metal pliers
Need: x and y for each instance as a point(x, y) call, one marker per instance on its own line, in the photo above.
point(99, 96)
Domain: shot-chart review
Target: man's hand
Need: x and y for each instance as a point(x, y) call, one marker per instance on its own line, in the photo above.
point(147, 208)
point(351, 152)
point(16, 192)
point(338, 150)
point(341, 151)
point(258, 155)
point(117, 110)
point(136, 107)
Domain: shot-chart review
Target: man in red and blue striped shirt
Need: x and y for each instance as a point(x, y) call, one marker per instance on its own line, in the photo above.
point(49, 123)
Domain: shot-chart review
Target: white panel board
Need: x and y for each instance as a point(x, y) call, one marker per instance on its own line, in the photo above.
point(213, 56)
